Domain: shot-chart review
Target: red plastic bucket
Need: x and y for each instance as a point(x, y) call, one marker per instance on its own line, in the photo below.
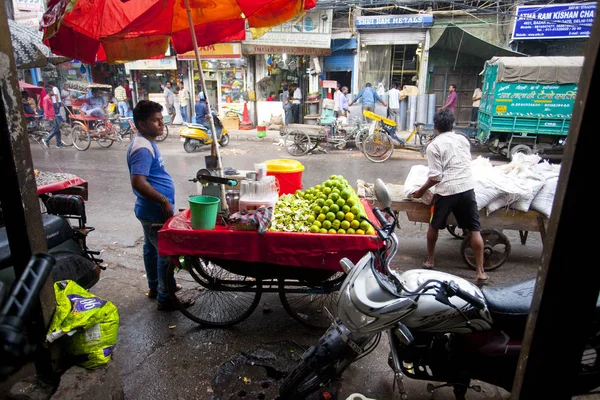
point(288, 173)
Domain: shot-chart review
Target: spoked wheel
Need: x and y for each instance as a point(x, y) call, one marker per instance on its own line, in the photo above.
point(496, 249)
point(457, 232)
point(297, 143)
point(220, 298)
point(378, 147)
point(66, 134)
point(81, 137)
point(104, 135)
point(164, 135)
point(360, 138)
point(306, 302)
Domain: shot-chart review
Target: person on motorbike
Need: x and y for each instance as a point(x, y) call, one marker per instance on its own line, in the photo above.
point(202, 111)
point(449, 159)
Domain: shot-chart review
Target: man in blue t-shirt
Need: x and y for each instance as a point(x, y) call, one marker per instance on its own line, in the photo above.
point(155, 192)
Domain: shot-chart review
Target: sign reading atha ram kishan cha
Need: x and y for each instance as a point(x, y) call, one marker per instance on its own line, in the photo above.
point(556, 21)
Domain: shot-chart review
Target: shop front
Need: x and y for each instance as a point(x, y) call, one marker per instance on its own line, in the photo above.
point(393, 48)
point(291, 53)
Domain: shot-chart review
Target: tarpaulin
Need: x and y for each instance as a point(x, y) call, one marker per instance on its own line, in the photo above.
point(545, 70)
point(308, 250)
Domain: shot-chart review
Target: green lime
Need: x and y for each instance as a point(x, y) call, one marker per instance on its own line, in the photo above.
point(346, 208)
point(370, 231)
point(321, 217)
point(326, 224)
point(350, 231)
point(364, 225)
point(322, 230)
point(341, 202)
point(330, 216)
point(345, 225)
point(325, 210)
point(311, 219)
point(320, 202)
point(340, 215)
point(316, 210)
point(335, 224)
point(346, 193)
point(327, 184)
point(354, 224)
point(317, 224)
point(355, 210)
point(332, 231)
point(341, 231)
point(336, 190)
point(334, 197)
point(314, 229)
point(349, 217)
point(360, 232)
point(318, 187)
point(351, 202)
point(326, 190)
point(329, 202)
point(334, 208)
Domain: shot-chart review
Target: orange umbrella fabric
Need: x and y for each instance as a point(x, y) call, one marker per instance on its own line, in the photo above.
point(126, 30)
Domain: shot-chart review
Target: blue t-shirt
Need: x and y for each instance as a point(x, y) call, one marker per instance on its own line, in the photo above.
point(144, 158)
point(369, 96)
point(201, 112)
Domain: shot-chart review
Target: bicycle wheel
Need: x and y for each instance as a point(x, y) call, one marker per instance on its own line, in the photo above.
point(378, 147)
point(360, 137)
point(306, 302)
point(126, 136)
point(297, 143)
point(164, 134)
point(66, 134)
point(104, 135)
point(220, 298)
point(81, 137)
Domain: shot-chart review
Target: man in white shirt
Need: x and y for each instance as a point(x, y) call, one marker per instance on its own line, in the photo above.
point(65, 94)
point(170, 101)
point(296, 100)
point(394, 103)
point(476, 103)
point(56, 101)
point(449, 159)
point(184, 99)
point(336, 100)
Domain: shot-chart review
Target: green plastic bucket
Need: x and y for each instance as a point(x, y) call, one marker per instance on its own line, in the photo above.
point(204, 210)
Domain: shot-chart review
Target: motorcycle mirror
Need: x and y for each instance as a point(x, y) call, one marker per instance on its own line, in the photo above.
point(382, 194)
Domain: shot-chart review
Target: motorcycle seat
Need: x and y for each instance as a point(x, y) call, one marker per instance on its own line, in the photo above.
point(197, 126)
point(56, 229)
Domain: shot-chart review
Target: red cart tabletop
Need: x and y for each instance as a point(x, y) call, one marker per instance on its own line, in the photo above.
point(308, 250)
point(61, 185)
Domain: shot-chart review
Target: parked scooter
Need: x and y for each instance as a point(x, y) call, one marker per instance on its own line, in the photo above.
point(440, 327)
point(194, 136)
point(67, 243)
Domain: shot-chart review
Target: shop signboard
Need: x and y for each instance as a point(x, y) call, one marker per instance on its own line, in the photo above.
point(556, 21)
point(215, 51)
point(153, 64)
point(312, 32)
point(395, 21)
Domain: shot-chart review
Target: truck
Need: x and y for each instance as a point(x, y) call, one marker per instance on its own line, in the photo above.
point(527, 103)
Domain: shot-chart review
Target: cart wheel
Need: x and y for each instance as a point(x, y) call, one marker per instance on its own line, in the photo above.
point(164, 135)
point(457, 232)
point(104, 135)
point(220, 298)
point(520, 148)
point(360, 138)
point(306, 301)
point(81, 137)
point(496, 249)
point(66, 134)
point(297, 143)
point(378, 147)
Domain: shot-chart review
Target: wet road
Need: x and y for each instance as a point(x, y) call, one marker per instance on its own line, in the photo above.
point(167, 355)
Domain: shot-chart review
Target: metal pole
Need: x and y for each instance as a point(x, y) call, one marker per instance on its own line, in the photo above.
point(214, 150)
point(19, 197)
point(563, 309)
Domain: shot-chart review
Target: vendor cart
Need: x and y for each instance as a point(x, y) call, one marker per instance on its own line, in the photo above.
point(224, 272)
point(496, 245)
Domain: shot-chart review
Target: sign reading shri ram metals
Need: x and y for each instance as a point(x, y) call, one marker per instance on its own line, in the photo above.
point(560, 21)
point(395, 21)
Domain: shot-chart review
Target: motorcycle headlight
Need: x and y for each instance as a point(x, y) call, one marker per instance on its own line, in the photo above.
point(349, 314)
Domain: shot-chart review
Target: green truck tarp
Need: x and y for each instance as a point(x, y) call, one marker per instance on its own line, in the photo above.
point(543, 70)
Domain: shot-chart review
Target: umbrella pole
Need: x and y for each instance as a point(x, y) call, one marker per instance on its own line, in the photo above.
point(214, 150)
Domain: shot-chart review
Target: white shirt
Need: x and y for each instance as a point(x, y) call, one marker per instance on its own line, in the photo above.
point(297, 96)
point(449, 159)
point(336, 100)
point(476, 94)
point(66, 97)
point(56, 97)
point(394, 98)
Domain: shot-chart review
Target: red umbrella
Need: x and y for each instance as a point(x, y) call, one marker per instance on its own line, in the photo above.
point(127, 30)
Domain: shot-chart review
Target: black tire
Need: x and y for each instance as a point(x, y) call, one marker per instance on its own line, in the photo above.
point(104, 135)
point(81, 137)
point(188, 146)
point(520, 148)
point(496, 249)
point(360, 137)
point(224, 140)
point(76, 268)
point(165, 134)
point(454, 231)
point(220, 298)
point(306, 302)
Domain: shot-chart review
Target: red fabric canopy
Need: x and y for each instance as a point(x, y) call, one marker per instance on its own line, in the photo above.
point(128, 30)
point(305, 250)
point(30, 88)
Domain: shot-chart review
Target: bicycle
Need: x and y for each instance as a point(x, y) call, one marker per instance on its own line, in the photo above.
point(382, 140)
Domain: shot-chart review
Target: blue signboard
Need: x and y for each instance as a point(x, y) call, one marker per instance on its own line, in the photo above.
point(561, 21)
point(395, 21)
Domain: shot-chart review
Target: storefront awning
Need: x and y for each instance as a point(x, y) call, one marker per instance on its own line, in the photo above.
point(457, 40)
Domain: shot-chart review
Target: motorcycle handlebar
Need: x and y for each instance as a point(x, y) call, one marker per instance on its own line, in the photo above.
point(455, 290)
point(380, 217)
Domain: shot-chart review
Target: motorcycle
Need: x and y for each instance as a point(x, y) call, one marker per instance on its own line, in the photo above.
point(66, 243)
point(440, 327)
point(194, 136)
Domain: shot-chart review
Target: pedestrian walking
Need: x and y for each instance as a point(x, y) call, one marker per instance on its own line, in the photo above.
point(121, 97)
point(296, 101)
point(451, 99)
point(128, 94)
point(336, 100)
point(56, 101)
point(343, 105)
point(170, 101)
point(155, 193)
point(50, 115)
point(287, 105)
point(394, 103)
point(184, 100)
point(476, 103)
point(65, 94)
point(368, 96)
point(449, 160)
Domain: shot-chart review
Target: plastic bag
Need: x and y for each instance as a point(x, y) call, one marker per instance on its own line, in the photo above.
point(417, 176)
point(90, 323)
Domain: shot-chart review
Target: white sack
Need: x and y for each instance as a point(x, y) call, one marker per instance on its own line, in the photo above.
point(545, 197)
point(417, 176)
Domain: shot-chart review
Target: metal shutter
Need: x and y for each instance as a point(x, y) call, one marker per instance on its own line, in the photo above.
point(341, 61)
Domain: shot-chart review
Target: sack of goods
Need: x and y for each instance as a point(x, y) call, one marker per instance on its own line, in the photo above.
point(524, 184)
point(88, 324)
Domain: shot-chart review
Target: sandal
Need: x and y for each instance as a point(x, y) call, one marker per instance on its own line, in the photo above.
point(426, 266)
point(482, 282)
